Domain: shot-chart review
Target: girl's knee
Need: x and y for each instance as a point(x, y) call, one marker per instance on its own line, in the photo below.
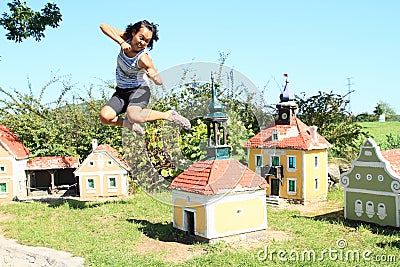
point(107, 117)
point(105, 120)
point(136, 118)
point(136, 115)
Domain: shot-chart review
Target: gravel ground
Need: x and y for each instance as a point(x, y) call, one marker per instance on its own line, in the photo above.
point(16, 255)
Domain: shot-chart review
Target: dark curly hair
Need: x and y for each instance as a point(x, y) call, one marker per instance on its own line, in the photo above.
point(134, 28)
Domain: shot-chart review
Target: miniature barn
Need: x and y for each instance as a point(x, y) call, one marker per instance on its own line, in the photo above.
point(372, 186)
point(50, 174)
point(218, 197)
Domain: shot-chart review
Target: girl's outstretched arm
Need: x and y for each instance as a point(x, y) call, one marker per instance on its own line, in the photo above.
point(113, 33)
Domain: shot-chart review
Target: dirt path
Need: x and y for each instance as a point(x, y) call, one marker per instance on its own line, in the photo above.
point(14, 254)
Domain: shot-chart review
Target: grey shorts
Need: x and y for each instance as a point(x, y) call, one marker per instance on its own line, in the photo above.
point(123, 98)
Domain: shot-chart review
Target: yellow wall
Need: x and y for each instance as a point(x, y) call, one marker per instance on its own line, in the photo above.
point(252, 160)
point(84, 191)
point(238, 215)
point(100, 161)
point(312, 173)
point(9, 195)
point(7, 163)
point(6, 177)
point(112, 191)
point(104, 167)
point(296, 174)
point(180, 204)
point(4, 152)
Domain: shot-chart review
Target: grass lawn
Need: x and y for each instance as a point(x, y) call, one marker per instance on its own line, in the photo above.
point(138, 232)
point(379, 130)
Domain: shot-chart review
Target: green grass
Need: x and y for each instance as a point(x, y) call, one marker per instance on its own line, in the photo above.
point(379, 130)
point(106, 234)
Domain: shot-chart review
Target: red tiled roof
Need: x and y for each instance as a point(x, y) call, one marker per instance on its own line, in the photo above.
point(12, 144)
point(113, 153)
point(393, 156)
point(48, 163)
point(211, 177)
point(297, 135)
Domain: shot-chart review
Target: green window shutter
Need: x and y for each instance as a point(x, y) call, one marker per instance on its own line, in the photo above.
point(258, 161)
point(112, 182)
point(3, 188)
point(292, 162)
point(90, 183)
point(275, 161)
point(292, 186)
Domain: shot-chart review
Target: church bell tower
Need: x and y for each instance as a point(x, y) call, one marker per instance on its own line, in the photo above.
point(287, 106)
point(216, 128)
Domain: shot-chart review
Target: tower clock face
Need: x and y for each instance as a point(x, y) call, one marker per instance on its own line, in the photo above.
point(284, 115)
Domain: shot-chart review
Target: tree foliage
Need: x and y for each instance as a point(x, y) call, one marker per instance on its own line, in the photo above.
point(59, 128)
point(23, 22)
point(392, 141)
point(384, 108)
point(328, 112)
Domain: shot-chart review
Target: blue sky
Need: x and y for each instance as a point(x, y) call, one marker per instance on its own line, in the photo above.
point(318, 43)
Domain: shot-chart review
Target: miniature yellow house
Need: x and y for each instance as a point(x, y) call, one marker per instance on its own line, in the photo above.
point(218, 197)
point(291, 156)
point(103, 173)
point(13, 160)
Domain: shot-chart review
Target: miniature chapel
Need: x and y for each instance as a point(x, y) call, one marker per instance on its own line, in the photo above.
point(218, 197)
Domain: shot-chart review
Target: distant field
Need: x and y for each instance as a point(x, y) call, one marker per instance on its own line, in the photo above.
point(379, 130)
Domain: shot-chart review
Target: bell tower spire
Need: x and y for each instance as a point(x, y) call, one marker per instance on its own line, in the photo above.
point(216, 127)
point(287, 106)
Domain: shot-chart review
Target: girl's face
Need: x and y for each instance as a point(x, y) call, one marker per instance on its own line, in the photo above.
point(141, 39)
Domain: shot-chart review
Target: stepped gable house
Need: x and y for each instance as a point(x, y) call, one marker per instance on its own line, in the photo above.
point(372, 186)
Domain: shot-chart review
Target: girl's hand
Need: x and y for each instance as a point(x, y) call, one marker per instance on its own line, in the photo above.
point(125, 46)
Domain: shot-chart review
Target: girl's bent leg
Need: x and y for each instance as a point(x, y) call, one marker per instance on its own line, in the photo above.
point(108, 116)
point(139, 115)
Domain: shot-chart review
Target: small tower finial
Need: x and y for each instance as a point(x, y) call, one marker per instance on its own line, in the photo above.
point(215, 106)
point(286, 95)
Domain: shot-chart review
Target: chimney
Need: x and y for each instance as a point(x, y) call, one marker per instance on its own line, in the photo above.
point(313, 133)
point(94, 144)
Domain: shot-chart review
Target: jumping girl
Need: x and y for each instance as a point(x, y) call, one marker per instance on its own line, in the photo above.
point(134, 69)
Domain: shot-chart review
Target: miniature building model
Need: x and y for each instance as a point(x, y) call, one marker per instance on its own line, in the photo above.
point(292, 156)
point(103, 173)
point(49, 173)
point(13, 159)
point(372, 186)
point(219, 197)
